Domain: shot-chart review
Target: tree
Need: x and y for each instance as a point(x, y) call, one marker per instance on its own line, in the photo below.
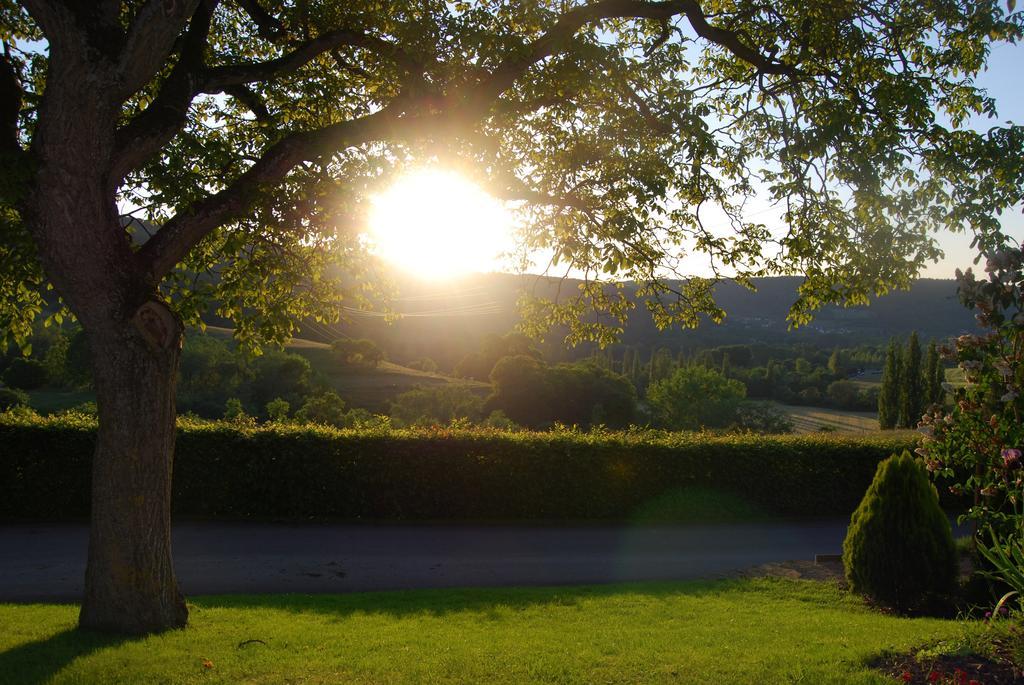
point(583, 394)
point(899, 546)
point(844, 394)
point(325, 408)
point(934, 376)
point(437, 405)
point(357, 352)
point(279, 374)
point(835, 363)
point(911, 384)
point(695, 397)
point(243, 140)
point(520, 390)
point(478, 365)
point(889, 396)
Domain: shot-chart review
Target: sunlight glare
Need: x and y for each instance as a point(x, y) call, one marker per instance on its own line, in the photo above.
point(436, 224)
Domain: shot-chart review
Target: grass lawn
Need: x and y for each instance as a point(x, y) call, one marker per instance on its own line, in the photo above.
point(734, 631)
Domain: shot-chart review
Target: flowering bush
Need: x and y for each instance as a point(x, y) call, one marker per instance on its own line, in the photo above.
point(976, 447)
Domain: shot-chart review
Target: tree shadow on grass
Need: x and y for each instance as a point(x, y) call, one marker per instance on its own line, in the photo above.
point(441, 602)
point(34, 663)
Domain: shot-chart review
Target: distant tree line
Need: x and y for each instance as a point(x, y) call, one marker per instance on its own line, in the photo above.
point(797, 374)
point(720, 388)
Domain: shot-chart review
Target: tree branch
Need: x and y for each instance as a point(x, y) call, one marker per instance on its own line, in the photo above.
point(251, 100)
point(150, 38)
point(150, 130)
point(49, 14)
point(174, 240)
point(144, 135)
point(459, 110)
point(555, 39)
point(11, 96)
point(267, 25)
point(219, 78)
point(12, 155)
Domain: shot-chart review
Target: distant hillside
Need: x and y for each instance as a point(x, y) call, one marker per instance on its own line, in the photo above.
point(444, 321)
point(372, 388)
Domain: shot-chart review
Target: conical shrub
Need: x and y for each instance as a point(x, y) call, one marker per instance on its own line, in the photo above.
point(899, 546)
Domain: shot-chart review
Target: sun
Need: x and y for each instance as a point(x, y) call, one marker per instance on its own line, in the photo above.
point(436, 224)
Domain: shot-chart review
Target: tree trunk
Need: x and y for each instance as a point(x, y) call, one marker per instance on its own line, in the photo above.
point(130, 585)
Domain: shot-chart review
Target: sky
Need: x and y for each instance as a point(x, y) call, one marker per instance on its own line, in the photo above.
point(1005, 82)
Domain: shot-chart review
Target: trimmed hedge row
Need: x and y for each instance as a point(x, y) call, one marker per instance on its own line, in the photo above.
point(224, 470)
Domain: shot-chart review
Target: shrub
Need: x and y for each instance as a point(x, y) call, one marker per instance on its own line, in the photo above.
point(235, 412)
point(978, 444)
point(277, 409)
point(284, 470)
point(25, 374)
point(12, 397)
point(899, 548)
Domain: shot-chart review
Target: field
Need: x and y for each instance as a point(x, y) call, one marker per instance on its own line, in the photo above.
point(818, 419)
point(873, 378)
point(371, 388)
point(374, 388)
point(738, 631)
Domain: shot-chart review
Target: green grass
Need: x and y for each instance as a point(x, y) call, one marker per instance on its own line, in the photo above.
point(738, 631)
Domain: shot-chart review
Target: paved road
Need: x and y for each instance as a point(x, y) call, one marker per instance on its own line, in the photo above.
point(46, 562)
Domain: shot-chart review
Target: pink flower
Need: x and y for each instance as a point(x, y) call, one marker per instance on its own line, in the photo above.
point(1011, 457)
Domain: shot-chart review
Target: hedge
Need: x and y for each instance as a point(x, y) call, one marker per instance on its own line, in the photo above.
point(225, 470)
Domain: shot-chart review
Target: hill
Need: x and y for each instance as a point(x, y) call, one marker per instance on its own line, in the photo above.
point(445, 321)
point(372, 388)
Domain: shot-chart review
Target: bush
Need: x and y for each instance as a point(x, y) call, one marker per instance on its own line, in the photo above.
point(899, 548)
point(277, 409)
point(235, 412)
point(25, 374)
point(282, 471)
point(12, 397)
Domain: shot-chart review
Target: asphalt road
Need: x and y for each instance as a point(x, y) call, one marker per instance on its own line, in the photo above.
point(47, 562)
